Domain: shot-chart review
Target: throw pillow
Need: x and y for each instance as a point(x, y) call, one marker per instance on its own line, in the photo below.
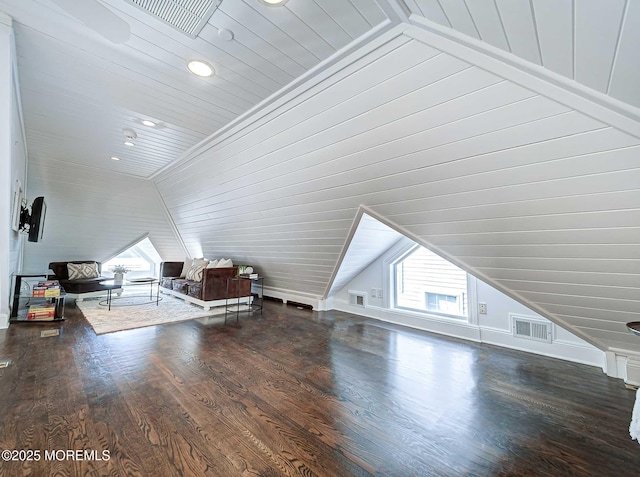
point(185, 267)
point(78, 271)
point(200, 262)
point(213, 264)
point(195, 273)
point(225, 263)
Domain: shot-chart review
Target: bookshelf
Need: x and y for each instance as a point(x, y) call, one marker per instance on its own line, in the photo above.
point(27, 308)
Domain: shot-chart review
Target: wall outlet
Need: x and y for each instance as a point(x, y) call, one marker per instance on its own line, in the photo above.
point(482, 308)
point(379, 292)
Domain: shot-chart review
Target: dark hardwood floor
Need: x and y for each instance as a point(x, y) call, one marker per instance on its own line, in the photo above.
point(302, 393)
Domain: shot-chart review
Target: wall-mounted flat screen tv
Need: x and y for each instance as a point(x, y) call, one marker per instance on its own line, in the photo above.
point(36, 221)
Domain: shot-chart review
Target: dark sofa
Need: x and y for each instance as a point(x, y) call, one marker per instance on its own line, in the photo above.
point(78, 287)
point(211, 291)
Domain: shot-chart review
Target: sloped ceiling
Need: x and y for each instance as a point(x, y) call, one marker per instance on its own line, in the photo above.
point(503, 134)
point(80, 91)
point(526, 192)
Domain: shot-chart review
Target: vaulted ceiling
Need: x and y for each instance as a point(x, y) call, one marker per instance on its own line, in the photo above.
point(80, 90)
point(504, 134)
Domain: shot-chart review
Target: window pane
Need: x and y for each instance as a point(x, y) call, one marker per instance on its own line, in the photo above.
point(141, 259)
point(427, 282)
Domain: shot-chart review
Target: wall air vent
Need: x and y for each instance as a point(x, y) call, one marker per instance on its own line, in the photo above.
point(357, 298)
point(531, 328)
point(188, 16)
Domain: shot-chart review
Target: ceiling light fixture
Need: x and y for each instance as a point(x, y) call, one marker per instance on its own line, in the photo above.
point(114, 158)
point(200, 68)
point(274, 3)
point(149, 123)
point(129, 134)
point(129, 143)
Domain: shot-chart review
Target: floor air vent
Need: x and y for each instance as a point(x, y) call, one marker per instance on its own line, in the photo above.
point(188, 16)
point(302, 306)
point(531, 329)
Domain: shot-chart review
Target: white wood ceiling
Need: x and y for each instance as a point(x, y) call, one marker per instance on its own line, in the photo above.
point(79, 91)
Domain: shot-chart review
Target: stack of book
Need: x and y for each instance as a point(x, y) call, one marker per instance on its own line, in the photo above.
point(251, 276)
point(49, 288)
point(42, 312)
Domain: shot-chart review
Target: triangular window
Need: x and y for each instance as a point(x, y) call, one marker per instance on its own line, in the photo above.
point(141, 259)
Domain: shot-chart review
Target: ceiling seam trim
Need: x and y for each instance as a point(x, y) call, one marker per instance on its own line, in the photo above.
point(534, 77)
point(382, 34)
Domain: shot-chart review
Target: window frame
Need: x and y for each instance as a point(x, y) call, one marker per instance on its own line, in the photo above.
point(397, 255)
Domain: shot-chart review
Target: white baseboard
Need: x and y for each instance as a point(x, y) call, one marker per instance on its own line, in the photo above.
point(623, 364)
point(288, 295)
point(441, 326)
point(4, 321)
point(568, 351)
point(583, 354)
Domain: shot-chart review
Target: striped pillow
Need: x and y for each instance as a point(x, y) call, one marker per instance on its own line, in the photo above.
point(195, 272)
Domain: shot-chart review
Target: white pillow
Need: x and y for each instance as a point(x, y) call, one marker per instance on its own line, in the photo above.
point(186, 266)
point(201, 262)
point(224, 263)
point(213, 264)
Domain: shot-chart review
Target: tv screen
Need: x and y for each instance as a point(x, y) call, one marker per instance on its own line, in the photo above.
point(36, 221)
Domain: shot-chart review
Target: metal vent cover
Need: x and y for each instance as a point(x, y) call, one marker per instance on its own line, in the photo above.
point(525, 327)
point(187, 16)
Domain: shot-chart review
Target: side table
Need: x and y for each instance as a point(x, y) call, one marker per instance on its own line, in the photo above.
point(257, 295)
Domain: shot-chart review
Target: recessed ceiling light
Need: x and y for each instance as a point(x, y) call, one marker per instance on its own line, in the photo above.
point(149, 123)
point(225, 34)
point(114, 158)
point(200, 68)
point(129, 143)
point(274, 3)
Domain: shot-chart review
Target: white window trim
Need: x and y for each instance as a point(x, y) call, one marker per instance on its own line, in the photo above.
point(395, 254)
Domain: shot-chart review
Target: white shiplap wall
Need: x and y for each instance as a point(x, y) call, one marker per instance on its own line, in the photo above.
point(18, 168)
point(9, 164)
point(92, 215)
point(486, 171)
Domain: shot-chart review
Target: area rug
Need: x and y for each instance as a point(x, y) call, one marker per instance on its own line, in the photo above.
point(119, 318)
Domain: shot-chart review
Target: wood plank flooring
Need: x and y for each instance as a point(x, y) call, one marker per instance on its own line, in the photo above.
point(296, 392)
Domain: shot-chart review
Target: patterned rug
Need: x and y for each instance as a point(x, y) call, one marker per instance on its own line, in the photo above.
point(128, 313)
